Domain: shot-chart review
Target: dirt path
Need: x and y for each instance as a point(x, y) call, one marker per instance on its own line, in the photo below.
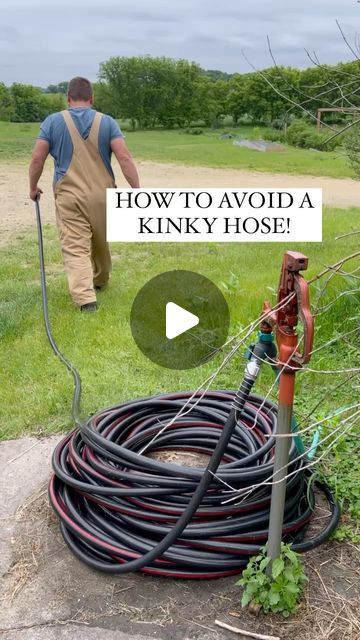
point(17, 212)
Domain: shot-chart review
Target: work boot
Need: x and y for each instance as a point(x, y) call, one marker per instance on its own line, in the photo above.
point(89, 307)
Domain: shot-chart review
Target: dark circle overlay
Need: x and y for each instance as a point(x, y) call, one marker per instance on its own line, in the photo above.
point(196, 294)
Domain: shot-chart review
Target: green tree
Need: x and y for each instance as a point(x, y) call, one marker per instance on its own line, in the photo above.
point(237, 96)
point(331, 86)
point(126, 79)
point(352, 148)
point(214, 74)
point(212, 100)
point(57, 88)
point(159, 78)
point(150, 91)
point(315, 89)
point(6, 103)
point(29, 103)
point(187, 75)
point(51, 103)
point(104, 99)
point(262, 102)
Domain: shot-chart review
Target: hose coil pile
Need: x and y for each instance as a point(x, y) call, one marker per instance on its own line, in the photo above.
point(116, 504)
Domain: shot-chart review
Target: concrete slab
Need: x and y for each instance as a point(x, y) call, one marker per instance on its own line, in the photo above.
point(59, 632)
point(25, 468)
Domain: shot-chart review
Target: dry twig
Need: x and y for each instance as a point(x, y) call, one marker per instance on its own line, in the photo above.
point(247, 634)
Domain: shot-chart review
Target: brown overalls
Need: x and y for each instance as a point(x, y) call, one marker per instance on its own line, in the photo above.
point(80, 200)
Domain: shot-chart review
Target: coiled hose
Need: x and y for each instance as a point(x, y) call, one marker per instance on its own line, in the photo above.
point(115, 504)
point(121, 510)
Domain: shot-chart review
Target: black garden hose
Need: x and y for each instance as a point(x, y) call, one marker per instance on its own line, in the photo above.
point(45, 310)
point(122, 510)
point(119, 508)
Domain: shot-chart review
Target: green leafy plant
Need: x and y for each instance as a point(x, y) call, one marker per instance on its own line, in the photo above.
point(352, 148)
point(278, 592)
point(195, 131)
point(232, 286)
point(255, 133)
point(342, 471)
point(301, 134)
point(274, 135)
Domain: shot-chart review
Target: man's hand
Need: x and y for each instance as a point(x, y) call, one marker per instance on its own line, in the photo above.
point(40, 153)
point(35, 194)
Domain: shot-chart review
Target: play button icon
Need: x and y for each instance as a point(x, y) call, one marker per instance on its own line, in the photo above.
point(179, 319)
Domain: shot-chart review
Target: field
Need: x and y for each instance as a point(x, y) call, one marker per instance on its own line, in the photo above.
point(101, 345)
point(208, 150)
point(36, 390)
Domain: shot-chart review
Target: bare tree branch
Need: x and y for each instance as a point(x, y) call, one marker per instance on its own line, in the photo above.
point(310, 98)
point(279, 93)
point(338, 133)
point(346, 41)
point(315, 61)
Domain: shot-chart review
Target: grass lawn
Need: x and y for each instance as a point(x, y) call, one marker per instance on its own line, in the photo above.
point(16, 142)
point(36, 390)
point(210, 151)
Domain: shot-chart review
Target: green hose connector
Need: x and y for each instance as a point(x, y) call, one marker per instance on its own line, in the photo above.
point(314, 445)
point(299, 443)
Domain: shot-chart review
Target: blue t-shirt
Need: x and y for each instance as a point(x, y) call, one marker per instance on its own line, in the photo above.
point(55, 132)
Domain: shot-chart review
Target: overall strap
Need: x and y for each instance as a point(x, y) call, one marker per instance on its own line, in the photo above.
point(94, 132)
point(76, 138)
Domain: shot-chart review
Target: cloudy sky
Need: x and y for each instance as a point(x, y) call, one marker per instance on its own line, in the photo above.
point(43, 42)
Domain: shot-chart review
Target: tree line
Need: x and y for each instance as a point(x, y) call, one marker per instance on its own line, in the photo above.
point(26, 103)
point(159, 91)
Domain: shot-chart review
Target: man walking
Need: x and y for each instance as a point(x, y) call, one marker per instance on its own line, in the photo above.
point(81, 141)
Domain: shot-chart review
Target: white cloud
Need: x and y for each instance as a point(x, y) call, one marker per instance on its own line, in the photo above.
point(45, 44)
